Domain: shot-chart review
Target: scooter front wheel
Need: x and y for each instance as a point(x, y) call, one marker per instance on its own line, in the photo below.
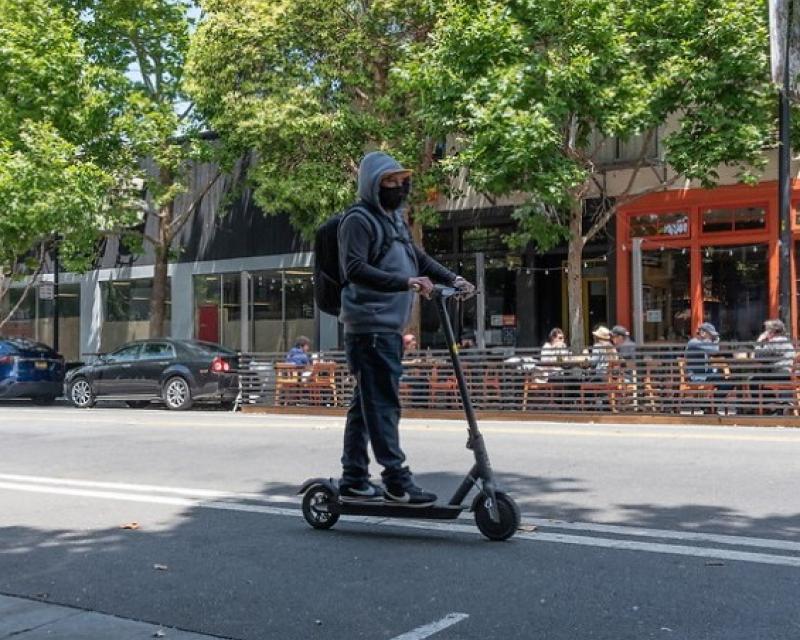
point(316, 507)
point(509, 517)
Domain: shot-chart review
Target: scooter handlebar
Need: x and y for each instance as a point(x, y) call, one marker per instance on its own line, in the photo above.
point(445, 292)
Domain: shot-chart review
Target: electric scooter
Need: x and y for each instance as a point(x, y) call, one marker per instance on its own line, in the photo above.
point(497, 516)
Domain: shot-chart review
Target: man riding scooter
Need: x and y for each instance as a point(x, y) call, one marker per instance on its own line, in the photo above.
point(376, 304)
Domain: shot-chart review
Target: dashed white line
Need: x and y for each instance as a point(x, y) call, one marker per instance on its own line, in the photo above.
point(434, 627)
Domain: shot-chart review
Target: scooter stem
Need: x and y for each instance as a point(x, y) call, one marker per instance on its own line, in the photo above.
point(483, 467)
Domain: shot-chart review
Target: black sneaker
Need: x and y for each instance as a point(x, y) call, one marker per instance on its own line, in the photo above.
point(409, 494)
point(363, 492)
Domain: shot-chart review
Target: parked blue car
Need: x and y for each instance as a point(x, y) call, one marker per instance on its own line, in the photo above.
point(30, 370)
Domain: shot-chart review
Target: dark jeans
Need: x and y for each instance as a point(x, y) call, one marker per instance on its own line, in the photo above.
point(375, 360)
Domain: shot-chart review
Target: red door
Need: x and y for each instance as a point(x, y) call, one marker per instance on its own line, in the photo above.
point(208, 323)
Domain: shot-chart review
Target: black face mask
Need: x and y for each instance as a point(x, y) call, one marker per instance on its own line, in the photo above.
point(391, 198)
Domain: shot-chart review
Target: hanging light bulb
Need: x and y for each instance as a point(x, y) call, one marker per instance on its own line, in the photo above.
point(683, 251)
point(730, 253)
point(755, 249)
point(547, 272)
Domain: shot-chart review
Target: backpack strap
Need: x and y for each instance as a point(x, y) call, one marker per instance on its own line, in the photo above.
point(383, 233)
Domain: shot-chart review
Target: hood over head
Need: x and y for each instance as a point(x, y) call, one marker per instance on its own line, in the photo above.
point(373, 167)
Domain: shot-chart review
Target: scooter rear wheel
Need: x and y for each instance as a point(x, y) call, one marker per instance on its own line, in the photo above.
point(316, 503)
point(509, 517)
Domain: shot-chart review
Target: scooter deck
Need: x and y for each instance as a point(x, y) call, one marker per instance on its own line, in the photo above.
point(395, 510)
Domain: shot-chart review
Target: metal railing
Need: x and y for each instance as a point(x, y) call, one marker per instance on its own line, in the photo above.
point(660, 379)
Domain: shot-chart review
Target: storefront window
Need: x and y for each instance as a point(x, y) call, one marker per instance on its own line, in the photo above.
point(715, 220)
point(666, 303)
point(660, 224)
point(126, 311)
point(735, 291)
point(438, 241)
point(267, 311)
point(501, 297)
point(34, 318)
point(299, 312)
point(218, 309)
point(281, 308)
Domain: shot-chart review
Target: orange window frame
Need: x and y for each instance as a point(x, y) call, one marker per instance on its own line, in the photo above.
point(694, 202)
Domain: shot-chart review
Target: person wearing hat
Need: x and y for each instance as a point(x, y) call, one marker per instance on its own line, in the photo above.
point(775, 354)
point(376, 303)
point(704, 343)
point(621, 339)
point(602, 353)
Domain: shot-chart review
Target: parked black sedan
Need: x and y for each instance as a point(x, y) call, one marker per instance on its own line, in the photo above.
point(177, 372)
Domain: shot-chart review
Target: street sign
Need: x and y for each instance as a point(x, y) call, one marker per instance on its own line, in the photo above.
point(780, 47)
point(47, 291)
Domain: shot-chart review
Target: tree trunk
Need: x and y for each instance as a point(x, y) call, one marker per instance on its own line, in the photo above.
point(575, 276)
point(158, 303)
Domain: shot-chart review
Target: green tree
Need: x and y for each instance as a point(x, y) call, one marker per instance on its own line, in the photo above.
point(307, 85)
point(62, 163)
point(528, 88)
point(145, 43)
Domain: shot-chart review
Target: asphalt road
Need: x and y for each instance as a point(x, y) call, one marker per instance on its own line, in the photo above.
point(628, 531)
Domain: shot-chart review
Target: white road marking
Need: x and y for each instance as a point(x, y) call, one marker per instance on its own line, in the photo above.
point(689, 536)
point(224, 501)
point(630, 531)
point(202, 493)
point(434, 627)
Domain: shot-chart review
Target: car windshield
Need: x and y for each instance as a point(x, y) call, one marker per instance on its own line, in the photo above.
point(209, 349)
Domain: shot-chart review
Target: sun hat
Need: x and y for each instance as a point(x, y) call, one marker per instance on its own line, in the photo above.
point(602, 333)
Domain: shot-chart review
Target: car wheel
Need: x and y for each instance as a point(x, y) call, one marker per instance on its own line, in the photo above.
point(43, 401)
point(177, 395)
point(80, 393)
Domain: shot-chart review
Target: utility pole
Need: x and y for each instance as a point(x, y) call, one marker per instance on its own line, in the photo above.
point(56, 310)
point(784, 36)
point(784, 179)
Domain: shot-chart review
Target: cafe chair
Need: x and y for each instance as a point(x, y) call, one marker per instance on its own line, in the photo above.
point(322, 383)
point(288, 384)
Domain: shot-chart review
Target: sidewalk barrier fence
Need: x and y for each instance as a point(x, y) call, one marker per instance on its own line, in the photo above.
point(660, 379)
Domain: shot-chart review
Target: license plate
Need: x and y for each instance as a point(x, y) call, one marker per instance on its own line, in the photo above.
point(41, 364)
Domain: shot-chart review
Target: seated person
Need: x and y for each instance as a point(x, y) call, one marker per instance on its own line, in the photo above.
point(705, 342)
point(775, 353)
point(602, 353)
point(621, 338)
point(552, 353)
point(626, 348)
point(299, 353)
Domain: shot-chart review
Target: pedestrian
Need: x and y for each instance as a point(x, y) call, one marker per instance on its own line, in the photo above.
point(376, 306)
point(299, 353)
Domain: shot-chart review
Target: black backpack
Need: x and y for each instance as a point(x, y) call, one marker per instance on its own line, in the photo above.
point(328, 279)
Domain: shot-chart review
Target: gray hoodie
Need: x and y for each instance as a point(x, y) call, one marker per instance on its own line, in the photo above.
point(376, 298)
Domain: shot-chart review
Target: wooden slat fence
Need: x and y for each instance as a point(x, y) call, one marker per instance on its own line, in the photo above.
point(660, 379)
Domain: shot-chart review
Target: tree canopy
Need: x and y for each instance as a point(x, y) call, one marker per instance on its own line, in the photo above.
point(63, 166)
point(529, 87)
point(308, 86)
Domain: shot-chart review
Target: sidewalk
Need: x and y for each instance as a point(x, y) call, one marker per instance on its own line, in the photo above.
point(31, 620)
